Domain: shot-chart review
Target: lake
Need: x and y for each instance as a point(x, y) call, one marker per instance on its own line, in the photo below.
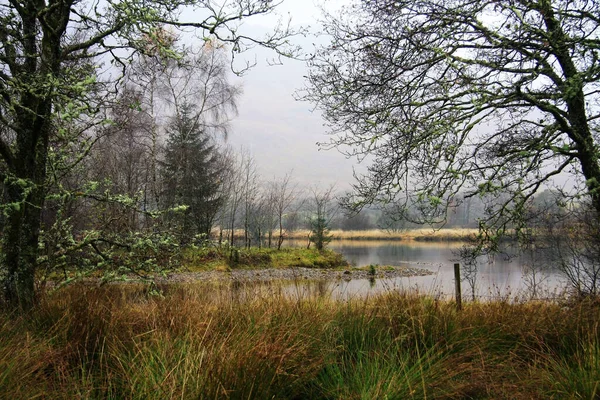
point(498, 276)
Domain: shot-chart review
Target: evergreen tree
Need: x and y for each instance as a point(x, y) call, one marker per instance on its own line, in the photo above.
point(191, 173)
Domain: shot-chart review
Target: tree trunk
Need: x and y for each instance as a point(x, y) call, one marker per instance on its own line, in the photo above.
point(575, 100)
point(591, 172)
point(20, 248)
point(25, 196)
point(280, 238)
point(26, 183)
point(232, 229)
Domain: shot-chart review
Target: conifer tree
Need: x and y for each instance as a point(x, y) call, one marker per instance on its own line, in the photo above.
point(191, 175)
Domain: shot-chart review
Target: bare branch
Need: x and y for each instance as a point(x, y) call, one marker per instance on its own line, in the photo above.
point(451, 97)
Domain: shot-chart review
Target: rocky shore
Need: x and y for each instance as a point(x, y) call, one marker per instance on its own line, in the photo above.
point(295, 273)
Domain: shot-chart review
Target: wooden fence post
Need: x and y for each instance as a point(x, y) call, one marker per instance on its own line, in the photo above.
point(458, 292)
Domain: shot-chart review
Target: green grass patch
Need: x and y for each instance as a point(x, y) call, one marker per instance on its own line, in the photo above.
point(197, 259)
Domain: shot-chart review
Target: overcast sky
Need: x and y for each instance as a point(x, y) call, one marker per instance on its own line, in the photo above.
point(279, 131)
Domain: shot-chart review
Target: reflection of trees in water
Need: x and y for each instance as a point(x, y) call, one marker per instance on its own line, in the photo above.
point(303, 288)
point(392, 253)
point(238, 291)
point(322, 288)
point(405, 253)
point(372, 282)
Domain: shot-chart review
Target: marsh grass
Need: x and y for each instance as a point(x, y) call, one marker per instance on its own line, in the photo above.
point(200, 341)
point(418, 234)
point(578, 375)
point(450, 235)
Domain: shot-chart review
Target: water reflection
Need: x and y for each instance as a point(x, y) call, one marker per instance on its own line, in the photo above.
point(529, 275)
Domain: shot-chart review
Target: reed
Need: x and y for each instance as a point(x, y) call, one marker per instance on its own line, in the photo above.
point(423, 234)
point(202, 341)
point(409, 234)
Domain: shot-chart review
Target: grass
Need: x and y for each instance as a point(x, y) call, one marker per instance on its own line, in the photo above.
point(198, 341)
point(196, 259)
point(409, 234)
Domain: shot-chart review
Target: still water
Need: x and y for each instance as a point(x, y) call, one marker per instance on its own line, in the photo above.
point(529, 275)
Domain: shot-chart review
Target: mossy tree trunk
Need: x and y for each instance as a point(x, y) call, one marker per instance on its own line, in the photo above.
point(34, 64)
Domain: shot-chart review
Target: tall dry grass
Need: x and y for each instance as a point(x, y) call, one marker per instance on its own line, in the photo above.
point(409, 234)
point(200, 341)
point(423, 234)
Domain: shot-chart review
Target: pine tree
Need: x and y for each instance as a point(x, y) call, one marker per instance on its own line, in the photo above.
point(191, 172)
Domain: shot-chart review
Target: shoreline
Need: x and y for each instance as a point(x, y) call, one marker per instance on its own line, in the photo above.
point(292, 274)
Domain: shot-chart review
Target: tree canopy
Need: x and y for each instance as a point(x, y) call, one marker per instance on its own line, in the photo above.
point(457, 98)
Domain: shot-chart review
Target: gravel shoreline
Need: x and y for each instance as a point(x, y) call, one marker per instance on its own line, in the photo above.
point(295, 273)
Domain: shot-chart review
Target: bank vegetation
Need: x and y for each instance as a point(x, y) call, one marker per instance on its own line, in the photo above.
point(201, 341)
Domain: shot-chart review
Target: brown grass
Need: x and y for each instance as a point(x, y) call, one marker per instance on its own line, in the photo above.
point(412, 234)
point(200, 341)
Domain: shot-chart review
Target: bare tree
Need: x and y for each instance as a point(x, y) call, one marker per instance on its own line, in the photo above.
point(201, 78)
point(147, 74)
point(323, 210)
point(270, 218)
point(228, 210)
point(460, 98)
point(120, 163)
point(284, 199)
point(575, 244)
point(261, 217)
point(249, 188)
point(238, 180)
